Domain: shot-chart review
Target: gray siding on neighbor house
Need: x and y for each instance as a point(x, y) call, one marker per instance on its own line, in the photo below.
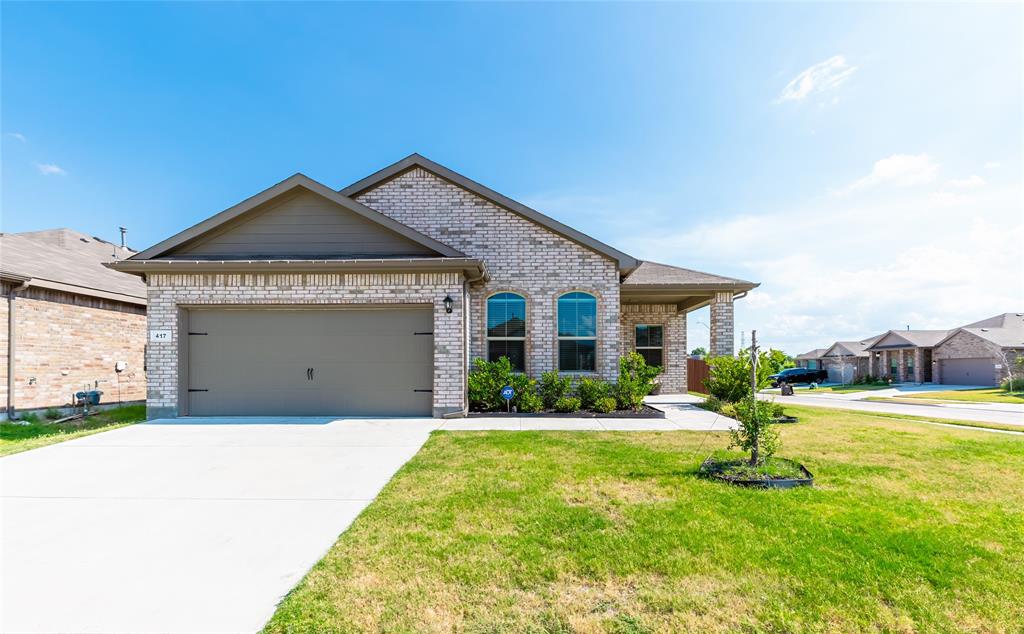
point(302, 223)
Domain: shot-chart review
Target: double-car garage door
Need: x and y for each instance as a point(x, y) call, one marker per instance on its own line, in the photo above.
point(968, 371)
point(309, 362)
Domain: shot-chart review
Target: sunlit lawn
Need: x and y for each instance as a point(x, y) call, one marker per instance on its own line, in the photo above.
point(16, 437)
point(982, 395)
point(910, 528)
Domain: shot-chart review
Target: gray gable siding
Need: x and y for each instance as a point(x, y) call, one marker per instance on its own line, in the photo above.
point(301, 224)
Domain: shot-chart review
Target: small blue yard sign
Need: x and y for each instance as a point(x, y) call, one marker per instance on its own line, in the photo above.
point(507, 392)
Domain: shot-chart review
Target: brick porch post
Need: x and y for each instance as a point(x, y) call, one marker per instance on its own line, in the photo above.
point(919, 365)
point(901, 366)
point(722, 334)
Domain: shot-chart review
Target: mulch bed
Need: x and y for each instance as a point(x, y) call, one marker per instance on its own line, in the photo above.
point(645, 412)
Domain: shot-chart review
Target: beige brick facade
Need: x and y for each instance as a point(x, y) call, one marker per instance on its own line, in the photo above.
point(171, 293)
point(673, 379)
point(66, 343)
point(520, 256)
point(965, 345)
point(723, 336)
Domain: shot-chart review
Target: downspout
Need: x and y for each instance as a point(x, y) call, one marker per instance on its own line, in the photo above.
point(11, 336)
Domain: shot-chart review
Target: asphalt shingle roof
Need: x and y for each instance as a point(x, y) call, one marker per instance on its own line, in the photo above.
point(1005, 330)
point(68, 257)
point(655, 274)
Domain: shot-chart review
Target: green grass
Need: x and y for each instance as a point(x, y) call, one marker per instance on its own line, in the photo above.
point(981, 395)
point(910, 528)
point(15, 438)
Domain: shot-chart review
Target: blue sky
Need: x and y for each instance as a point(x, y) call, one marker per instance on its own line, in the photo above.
point(862, 162)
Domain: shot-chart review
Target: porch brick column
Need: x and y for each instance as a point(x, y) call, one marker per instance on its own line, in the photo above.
point(871, 363)
point(722, 334)
point(883, 364)
point(918, 365)
point(901, 369)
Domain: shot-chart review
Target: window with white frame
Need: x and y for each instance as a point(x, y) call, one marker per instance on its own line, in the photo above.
point(506, 329)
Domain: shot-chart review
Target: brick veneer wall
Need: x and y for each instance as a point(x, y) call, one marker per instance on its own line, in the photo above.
point(66, 343)
point(520, 256)
point(169, 292)
point(965, 345)
point(674, 355)
point(723, 337)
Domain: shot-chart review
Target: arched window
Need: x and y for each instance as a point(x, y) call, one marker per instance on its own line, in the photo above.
point(577, 332)
point(506, 329)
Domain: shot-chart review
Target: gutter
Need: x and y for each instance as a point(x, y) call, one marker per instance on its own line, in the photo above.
point(12, 331)
point(472, 268)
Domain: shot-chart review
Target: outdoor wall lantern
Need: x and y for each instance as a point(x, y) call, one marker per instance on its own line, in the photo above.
point(448, 301)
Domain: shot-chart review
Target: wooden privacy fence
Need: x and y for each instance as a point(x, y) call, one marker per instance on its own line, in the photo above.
point(697, 370)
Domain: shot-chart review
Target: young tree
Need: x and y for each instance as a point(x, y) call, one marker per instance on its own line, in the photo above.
point(699, 352)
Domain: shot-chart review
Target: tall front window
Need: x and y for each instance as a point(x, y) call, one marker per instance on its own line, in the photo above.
point(649, 344)
point(577, 332)
point(506, 329)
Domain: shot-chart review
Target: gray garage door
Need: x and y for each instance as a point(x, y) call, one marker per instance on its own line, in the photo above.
point(310, 362)
point(968, 371)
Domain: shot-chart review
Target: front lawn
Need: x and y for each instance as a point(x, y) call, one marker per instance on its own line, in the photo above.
point(15, 438)
point(981, 395)
point(909, 528)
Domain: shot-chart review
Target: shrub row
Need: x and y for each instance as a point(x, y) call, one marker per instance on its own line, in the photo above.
point(560, 393)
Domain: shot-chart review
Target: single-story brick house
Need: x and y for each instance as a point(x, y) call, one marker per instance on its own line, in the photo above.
point(811, 359)
point(69, 322)
point(847, 361)
point(375, 299)
point(979, 353)
point(905, 355)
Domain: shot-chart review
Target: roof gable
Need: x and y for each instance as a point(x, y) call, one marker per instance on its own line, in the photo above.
point(626, 262)
point(298, 217)
point(1005, 330)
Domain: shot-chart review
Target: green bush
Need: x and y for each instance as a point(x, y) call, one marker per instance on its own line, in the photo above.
point(605, 405)
point(712, 404)
point(486, 381)
point(554, 387)
point(591, 391)
point(567, 404)
point(52, 413)
point(636, 380)
point(527, 400)
point(729, 378)
point(1012, 384)
point(30, 417)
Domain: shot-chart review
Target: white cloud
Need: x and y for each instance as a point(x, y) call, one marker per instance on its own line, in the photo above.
point(991, 165)
point(18, 136)
point(821, 77)
point(971, 182)
point(846, 269)
point(49, 169)
point(900, 170)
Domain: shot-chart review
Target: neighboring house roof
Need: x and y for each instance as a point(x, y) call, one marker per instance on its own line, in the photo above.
point(909, 339)
point(817, 353)
point(1005, 330)
point(626, 262)
point(163, 248)
point(852, 348)
point(654, 274)
point(70, 261)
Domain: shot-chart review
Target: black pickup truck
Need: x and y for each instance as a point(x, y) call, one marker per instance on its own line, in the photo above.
point(799, 375)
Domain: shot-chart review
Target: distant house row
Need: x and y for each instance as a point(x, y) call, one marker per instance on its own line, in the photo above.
point(976, 354)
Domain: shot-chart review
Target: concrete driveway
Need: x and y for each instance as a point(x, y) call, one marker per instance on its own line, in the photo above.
point(193, 525)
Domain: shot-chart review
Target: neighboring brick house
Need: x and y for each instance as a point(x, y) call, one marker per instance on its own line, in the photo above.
point(981, 353)
point(376, 299)
point(68, 321)
point(904, 355)
point(810, 360)
point(847, 361)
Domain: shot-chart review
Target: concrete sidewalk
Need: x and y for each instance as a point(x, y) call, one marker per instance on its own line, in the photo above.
point(950, 412)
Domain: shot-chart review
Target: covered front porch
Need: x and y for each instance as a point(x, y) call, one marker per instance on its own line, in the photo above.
point(654, 301)
point(904, 355)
